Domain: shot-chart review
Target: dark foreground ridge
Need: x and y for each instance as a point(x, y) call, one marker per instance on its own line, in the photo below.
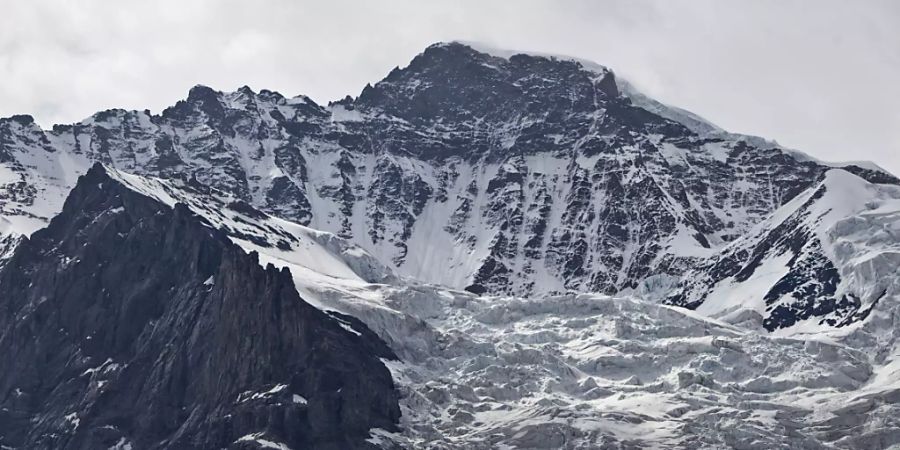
point(129, 323)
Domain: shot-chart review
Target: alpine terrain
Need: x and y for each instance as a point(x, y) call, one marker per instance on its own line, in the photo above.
point(485, 249)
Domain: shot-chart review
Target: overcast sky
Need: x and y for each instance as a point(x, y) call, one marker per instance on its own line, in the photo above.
point(819, 76)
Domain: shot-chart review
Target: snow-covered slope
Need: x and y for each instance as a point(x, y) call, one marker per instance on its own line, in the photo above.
point(827, 257)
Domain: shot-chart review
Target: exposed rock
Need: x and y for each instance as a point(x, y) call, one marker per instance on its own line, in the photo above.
point(131, 322)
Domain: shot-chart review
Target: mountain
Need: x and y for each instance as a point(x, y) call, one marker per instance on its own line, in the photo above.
point(132, 323)
point(523, 174)
point(484, 249)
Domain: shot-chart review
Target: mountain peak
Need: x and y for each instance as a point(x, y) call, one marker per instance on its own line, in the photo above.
point(202, 92)
point(21, 119)
point(455, 81)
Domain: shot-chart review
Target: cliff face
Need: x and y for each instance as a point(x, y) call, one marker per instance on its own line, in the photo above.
point(127, 321)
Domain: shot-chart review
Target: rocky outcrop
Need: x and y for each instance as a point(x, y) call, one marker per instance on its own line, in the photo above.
point(128, 322)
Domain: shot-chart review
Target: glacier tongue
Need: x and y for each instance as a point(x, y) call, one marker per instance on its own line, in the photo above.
point(592, 371)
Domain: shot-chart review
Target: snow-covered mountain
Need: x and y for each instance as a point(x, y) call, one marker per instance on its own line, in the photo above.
point(498, 173)
point(522, 230)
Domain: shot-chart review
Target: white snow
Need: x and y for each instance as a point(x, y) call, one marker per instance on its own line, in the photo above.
point(342, 114)
point(748, 295)
point(249, 395)
point(263, 443)
point(106, 366)
point(506, 54)
point(122, 444)
point(7, 175)
point(73, 420)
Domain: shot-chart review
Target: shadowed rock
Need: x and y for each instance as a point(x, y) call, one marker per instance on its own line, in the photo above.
point(126, 321)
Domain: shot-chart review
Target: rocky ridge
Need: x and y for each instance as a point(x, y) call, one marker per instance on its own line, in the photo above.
point(133, 323)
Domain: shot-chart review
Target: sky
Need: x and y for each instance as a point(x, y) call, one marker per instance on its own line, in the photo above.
point(819, 76)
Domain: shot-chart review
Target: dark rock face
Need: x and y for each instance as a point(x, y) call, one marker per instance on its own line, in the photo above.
point(128, 322)
point(454, 83)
